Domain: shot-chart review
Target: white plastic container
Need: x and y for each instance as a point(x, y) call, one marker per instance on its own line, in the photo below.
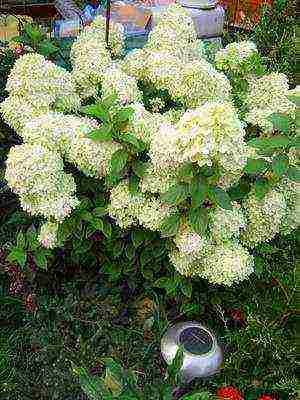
point(209, 23)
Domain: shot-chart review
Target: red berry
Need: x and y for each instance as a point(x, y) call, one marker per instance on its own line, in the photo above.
point(265, 397)
point(229, 393)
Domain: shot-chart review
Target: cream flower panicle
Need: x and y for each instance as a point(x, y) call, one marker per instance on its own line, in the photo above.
point(48, 235)
point(268, 95)
point(234, 55)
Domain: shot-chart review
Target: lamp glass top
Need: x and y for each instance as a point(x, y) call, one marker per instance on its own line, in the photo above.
point(196, 340)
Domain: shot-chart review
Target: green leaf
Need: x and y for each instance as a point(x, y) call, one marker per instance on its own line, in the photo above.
point(176, 365)
point(146, 256)
point(186, 171)
point(33, 33)
point(274, 142)
point(113, 380)
point(256, 166)
point(280, 122)
point(134, 184)
point(294, 174)
point(175, 195)
point(139, 168)
point(124, 114)
point(106, 228)
point(259, 265)
point(103, 134)
point(18, 255)
point(220, 197)
point(21, 241)
point(118, 161)
point(46, 48)
point(137, 237)
point(280, 165)
point(100, 211)
point(198, 220)
point(239, 191)
point(137, 144)
point(261, 188)
point(295, 98)
point(40, 259)
point(96, 110)
point(92, 386)
point(187, 288)
point(296, 142)
point(163, 282)
point(198, 191)
point(198, 396)
point(170, 226)
point(109, 101)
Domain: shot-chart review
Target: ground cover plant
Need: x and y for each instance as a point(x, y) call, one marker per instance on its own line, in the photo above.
point(118, 154)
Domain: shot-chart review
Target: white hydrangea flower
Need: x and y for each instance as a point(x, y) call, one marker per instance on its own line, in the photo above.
point(33, 75)
point(264, 217)
point(210, 133)
point(226, 225)
point(234, 55)
point(124, 207)
point(268, 95)
point(154, 182)
point(37, 176)
point(135, 63)
point(153, 213)
point(291, 192)
point(184, 264)
point(92, 158)
point(197, 82)
point(123, 85)
point(57, 131)
point(163, 69)
point(164, 151)
point(144, 124)
point(227, 264)
point(48, 235)
point(116, 34)
point(27, 109)
point(90, 59)
point(190, 243)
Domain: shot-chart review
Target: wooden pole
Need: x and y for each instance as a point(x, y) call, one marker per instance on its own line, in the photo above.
point(107, 24)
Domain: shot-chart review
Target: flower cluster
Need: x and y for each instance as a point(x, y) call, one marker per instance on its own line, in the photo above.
point(264, 217)
point(218, 256)
point(207, 134)
point(234, 55)
point(136, 209)
point(37, 176)
point(48, 235)
point(228, 263)
point(125, 86)
point(34, 76)
point(28, 108)
point(227, 224)
point(268, 95)
point(90, 57)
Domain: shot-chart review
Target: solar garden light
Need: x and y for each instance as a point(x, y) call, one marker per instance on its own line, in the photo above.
point(202, 356)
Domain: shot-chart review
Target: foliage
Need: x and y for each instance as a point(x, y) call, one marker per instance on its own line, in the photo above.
point(278, 45)
point(7, 59)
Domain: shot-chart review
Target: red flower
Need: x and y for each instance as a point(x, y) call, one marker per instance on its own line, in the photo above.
point(265, 397)
point(229, 393)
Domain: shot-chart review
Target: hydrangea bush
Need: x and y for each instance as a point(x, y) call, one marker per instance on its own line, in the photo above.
point(204, 159)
